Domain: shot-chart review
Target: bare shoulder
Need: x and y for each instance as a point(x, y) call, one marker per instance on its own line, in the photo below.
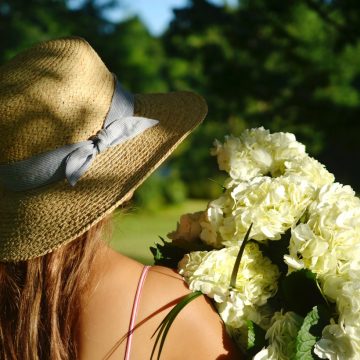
point(197, 332)
point(106, 308)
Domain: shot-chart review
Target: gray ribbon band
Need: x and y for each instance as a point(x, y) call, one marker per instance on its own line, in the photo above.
point(72, 161)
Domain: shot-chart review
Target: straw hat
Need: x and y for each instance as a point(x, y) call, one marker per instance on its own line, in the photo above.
point(58, 93)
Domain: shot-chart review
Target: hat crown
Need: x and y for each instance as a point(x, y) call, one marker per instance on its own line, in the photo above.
point(53, 94)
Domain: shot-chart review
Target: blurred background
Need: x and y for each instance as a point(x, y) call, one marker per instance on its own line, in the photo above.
point(285, 65)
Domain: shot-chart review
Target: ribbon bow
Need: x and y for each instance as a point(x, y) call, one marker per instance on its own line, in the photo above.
point(120, 130)
point(73, 160)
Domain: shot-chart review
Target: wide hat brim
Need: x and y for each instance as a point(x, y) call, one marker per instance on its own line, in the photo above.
point(36, 222)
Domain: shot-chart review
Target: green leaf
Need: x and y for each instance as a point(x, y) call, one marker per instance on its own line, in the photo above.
point(310, 332)
point(163, 328)
point(300, 292)
point(220, 185)
point(256, 338)
point(238, 258)
point(167, 254)
point(170, 253)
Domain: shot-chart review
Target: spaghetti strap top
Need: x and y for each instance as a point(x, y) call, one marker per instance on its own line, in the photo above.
point(135, 311)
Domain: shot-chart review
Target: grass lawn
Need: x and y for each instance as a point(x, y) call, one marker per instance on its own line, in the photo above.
point(136, 230)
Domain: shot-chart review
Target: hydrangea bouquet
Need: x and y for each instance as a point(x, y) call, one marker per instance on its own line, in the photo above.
point(278, 252)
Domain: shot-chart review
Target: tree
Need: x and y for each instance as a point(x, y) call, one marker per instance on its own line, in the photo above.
point(23, 23)
point(289, 66)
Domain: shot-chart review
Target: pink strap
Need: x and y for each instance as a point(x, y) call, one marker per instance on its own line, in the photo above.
point(135, 310)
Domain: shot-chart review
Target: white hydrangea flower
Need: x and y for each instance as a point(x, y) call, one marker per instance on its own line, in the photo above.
point(344, 290)
point(310, 169)
point(329, 241)
point(256, 152)
point(282, 336)
point(231, 159)
point(307, 250)
point(210, 272)
point(348, 303)
point(272, 205)
point(214, 217)
point(329, 245)
point(335, 344)
point(337, 194)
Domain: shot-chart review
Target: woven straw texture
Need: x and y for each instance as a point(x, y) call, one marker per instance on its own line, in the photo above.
point(58, 93)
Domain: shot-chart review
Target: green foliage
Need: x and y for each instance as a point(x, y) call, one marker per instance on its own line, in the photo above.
point(235, 270)
point(170, 253)
point(23, 23)
point(150, 195)
point(175, 191)
point(135, 56)
point(161, 189)
point(310, 332)
point(289, 66)
point(167, 254)
point(256, 338)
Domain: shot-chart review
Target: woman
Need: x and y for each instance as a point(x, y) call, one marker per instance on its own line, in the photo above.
point(74, 146)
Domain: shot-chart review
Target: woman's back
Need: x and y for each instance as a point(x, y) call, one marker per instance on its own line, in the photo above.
point(197, 332)
point(74, 146)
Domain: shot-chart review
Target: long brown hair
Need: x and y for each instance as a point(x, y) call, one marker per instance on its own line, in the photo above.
point(40, 299)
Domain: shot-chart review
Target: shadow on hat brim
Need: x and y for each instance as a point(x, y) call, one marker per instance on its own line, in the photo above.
point(36, 222)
